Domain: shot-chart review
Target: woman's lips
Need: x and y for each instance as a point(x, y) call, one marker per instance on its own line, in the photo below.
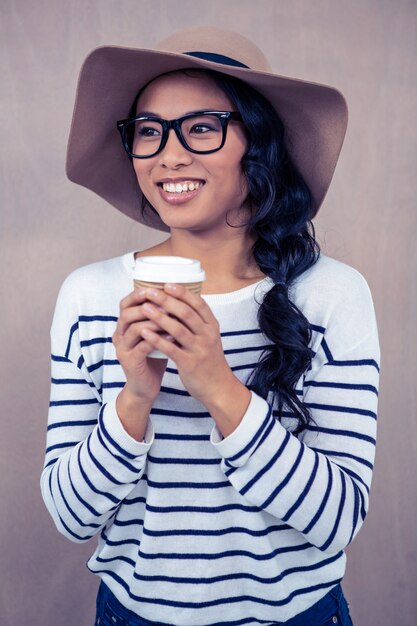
point(174, 198)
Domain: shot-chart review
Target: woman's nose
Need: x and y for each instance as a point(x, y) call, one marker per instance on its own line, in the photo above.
point(174, 154)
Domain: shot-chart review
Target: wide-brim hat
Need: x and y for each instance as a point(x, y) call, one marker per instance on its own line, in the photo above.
point(314, 115)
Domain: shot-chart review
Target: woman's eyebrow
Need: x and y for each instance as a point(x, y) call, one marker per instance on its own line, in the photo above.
point(147, 114)
point(153, 114)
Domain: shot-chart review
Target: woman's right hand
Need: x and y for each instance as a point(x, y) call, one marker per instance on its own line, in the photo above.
point(143, 376)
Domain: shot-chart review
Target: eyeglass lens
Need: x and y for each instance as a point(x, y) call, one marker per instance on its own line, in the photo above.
point(200, 132)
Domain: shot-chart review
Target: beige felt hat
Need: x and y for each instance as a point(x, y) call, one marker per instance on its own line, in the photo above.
point(314, 115)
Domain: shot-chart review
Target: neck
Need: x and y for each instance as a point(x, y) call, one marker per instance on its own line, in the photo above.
point(223, 259)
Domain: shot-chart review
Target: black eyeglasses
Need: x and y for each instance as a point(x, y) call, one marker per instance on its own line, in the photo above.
point(203, 132)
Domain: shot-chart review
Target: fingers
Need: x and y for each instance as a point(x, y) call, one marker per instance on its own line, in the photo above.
point(188, 307)
point(131, 311)
point(175, 328)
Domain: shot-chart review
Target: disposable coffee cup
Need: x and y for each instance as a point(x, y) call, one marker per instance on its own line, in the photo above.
point(155, 271)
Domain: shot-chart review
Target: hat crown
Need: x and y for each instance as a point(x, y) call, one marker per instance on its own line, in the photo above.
point(223, 44)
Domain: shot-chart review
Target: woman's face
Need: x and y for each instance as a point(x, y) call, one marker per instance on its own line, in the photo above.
point(223, 189)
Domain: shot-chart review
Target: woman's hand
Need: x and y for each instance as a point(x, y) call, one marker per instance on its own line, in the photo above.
point(143, 376)
point(197, 350)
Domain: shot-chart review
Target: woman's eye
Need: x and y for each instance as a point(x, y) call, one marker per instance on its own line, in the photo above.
point(148, 131)
point(199, 129)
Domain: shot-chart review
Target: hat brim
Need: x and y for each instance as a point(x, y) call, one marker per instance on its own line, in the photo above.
point(314, 115)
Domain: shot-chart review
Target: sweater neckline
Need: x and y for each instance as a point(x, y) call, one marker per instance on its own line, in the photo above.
point(244, 293)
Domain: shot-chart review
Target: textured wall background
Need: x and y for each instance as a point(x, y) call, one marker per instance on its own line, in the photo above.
point(366, 48)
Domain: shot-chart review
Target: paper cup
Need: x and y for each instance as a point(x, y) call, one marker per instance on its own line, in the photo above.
point(155, 271)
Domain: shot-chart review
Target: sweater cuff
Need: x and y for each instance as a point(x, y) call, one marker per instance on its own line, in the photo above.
point(240, 444)
point(118, 439)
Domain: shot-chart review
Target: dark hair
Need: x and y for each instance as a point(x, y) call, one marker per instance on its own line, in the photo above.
point(283, 248)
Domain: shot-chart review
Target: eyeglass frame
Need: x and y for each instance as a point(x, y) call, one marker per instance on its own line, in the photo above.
point(175, 124)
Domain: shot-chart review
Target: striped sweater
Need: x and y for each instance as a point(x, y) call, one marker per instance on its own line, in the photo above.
point(195, 529)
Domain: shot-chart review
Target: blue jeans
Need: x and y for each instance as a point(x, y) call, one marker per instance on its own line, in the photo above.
point(330, 610)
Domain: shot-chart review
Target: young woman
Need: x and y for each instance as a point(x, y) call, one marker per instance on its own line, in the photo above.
point(223, 482)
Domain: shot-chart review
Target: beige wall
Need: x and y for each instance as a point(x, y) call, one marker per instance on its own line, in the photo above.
point(49, 226)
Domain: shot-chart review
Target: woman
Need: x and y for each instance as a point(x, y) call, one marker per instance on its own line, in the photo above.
point(225, 481)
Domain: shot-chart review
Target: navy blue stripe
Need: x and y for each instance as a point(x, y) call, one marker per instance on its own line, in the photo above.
point(247, 366)
point(80, 362)
point(109, 496)
point(97, 318)
point(117, 458)
point(237, 333)
point(73, 402)
point(110, 439)
point(190, 532)
point(341, 432)
point(95, 340)
point(345, 454)
point(139, 499)
point(339, 514)
point(354, 363)
point(182, 437)
point(171, 413)
point(178, 461)
point(123, 542)
point(355, 512)
point(199, 509)
point(67, 444)
point(130, 522)
point(249, 349)
point(264, 469)
point(177, 392)
point(240, 575)
point(51, 462)
point(318, 329)
point(173, 370)
point(79, 498)
point(125, 559)
point(355, 476)
point(67, 528)
point(305, 491)
point(96, 366)
point(115, 385)
point(100, 467)
point(60, 359)
point(286, 480)
point(227, 600)
point(70, 381)
point(73, 328)
point(207, 556)
point(341, 409)
point(314, 383)
point(255, 438)
point(72, 423)
point(186, 485)
point(323, 503)
point(70, 510)
point(326, 350)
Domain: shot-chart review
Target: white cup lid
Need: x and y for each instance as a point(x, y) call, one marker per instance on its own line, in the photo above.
point(168, 269)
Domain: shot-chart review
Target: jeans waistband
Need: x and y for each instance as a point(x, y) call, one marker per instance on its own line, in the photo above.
point(108, 605)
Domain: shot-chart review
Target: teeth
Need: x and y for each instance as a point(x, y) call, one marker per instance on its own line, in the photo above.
point(180, 187)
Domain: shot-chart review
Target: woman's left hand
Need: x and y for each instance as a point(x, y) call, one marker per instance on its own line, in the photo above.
point(198, 351)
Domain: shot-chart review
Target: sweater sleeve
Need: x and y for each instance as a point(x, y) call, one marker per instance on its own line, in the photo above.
point(91, 462)
point(318, 482)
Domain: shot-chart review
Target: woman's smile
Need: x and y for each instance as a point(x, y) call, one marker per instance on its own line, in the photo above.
point(178, 190)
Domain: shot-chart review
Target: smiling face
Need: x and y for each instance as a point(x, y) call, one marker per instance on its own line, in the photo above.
point(216, 187)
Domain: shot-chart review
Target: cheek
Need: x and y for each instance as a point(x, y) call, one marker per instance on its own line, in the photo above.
point(142, 173)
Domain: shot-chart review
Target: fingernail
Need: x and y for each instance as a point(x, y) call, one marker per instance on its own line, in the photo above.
point(171, 286)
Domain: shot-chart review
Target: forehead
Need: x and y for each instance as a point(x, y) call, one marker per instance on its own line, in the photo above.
point(177, 93)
